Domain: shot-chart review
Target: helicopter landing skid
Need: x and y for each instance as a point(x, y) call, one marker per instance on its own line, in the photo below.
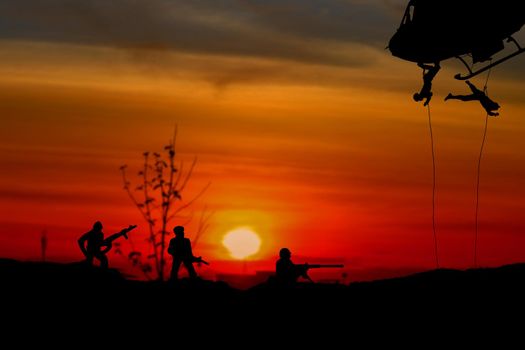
point(472, 73)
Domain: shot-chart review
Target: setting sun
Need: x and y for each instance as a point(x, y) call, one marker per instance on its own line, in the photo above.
point(242, 243)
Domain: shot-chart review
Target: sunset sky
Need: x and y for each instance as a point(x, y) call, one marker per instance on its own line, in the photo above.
point(301, 120)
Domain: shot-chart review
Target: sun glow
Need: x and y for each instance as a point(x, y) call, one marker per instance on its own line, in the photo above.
point(242, 242)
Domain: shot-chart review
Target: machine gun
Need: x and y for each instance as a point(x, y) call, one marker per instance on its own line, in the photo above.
point(302, 269)
point(108, 242)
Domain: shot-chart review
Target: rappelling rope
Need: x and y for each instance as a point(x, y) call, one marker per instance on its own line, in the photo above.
point(433, 186)
point(478, 176)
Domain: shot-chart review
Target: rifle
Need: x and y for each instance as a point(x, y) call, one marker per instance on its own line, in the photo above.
point(198, 259)
point(302, 269)
point(108, 242)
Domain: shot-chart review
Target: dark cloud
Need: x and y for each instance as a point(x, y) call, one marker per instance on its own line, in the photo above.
point(54, 195)
point(308, 31)
point(366, 22)
point(302, 30)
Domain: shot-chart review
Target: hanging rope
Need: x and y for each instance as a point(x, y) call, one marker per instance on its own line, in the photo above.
point(478, 177)
point(433, 187)
point(477, 192)
point(487, 79)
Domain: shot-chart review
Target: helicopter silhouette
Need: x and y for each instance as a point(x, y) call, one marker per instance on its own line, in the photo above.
point(435, 30)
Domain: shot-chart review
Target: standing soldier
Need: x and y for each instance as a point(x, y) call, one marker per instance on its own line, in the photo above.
point(180, 249)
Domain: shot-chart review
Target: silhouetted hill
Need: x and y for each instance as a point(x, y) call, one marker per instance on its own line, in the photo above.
point(76, 292)
point(40, 284)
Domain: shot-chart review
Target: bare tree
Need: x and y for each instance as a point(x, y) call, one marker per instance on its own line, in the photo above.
point(158, 197)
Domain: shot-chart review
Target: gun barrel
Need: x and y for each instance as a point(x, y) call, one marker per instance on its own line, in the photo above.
point(200, 260)
point(318, 266)
point(123, 233)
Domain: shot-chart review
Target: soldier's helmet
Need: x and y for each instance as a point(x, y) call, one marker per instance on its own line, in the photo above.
point(285, 253)
point(178, 230)
point(97, 226)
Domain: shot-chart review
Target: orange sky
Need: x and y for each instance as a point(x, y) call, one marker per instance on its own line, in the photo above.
point(325, 153)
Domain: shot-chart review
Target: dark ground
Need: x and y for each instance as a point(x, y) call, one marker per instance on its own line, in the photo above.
point(56, 297)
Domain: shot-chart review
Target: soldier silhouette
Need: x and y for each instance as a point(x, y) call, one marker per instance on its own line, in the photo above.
point(428, 75)
point(180, 249)
point(286, 272)
point(95, 243)
point(477, 95)
point(97, 246)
